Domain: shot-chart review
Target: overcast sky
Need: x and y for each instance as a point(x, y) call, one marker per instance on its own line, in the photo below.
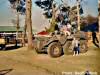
point(39, 22)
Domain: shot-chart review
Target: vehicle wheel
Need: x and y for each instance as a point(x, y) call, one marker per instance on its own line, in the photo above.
point(67, 48)
point(3, 47)
point(39, 50)
point(83, 46)
point(55, 49)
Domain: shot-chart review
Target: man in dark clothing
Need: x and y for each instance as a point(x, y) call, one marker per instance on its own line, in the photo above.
point(94, 38)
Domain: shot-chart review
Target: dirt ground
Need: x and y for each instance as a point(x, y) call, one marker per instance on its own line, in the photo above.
point(27, 62)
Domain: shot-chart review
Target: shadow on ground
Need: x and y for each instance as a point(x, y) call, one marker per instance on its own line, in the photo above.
point(11, 48)
point(5, 72)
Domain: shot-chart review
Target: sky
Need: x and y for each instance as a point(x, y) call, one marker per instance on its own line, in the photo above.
point(38, 20)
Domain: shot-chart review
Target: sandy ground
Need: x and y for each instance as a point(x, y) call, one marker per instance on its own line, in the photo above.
point(27, 62)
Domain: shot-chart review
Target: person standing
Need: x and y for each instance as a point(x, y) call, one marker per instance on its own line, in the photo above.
point(95, 39)
point(75, 46)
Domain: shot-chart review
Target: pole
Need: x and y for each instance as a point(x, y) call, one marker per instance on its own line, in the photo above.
point(17, 24)
point(99, 20)
point(78, 14)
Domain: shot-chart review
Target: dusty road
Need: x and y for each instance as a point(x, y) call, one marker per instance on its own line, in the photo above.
point(24, 62)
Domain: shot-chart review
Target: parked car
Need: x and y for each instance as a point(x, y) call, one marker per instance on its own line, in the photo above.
point(2, 43)
point(8, 39)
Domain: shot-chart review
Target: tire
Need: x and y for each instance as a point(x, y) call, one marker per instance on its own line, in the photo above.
point(55, 49)
point(3, 47)
point(67, 48)
point(83, 46)
point(39, 51)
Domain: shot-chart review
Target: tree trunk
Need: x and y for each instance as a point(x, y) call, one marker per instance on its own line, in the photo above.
point(78, 14)
point(99, 29)
point(24, 34)
point(29, 23)
point(52, 24)
point(99, 20)
point(17, 24)
point(17, 27)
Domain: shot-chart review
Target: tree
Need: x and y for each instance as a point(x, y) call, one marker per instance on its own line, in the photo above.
point(52, 26)
point(78, 15)
point(49, 8)
point(24, 34)
point(29, 23)
point(18, 5)
point(71, 13)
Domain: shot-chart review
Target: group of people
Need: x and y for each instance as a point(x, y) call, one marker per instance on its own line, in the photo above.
point(65, 26)
point(66, 29)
